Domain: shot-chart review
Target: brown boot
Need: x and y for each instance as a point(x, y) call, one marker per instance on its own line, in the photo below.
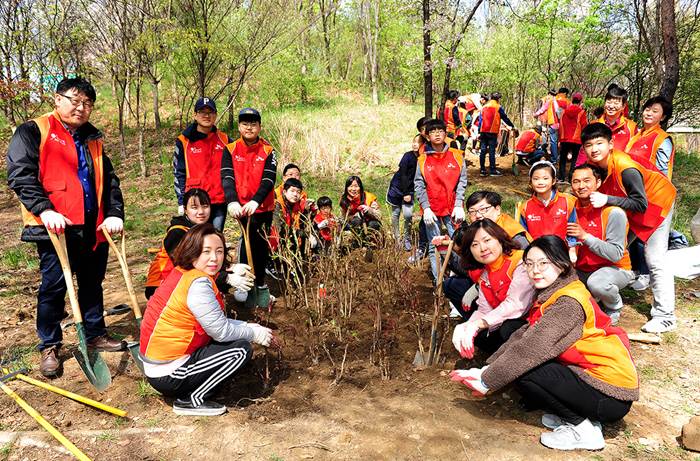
point(50, 362)
point(106, 344)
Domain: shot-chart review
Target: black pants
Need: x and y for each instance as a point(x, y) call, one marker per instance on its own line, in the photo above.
point(490, 342)
point(489, 141)
point(555, 388)
point(89, 267)
point(566, 148)
point(207, 368)
point(639, 262)
point(259, 230)
point(454, 289)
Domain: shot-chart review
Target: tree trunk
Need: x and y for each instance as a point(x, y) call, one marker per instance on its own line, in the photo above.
point(427, 62)
point(156, 103)
point(671, 74)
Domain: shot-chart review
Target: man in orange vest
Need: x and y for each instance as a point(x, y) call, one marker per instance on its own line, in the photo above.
point(603, 263)
point(491, 116)
point(613, 116)
point(197, 160)
point(573, 121)
point(647, 196)
point(450, 114)
point(529, 147)
point(65, 183)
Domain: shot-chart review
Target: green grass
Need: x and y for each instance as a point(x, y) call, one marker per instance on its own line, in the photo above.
point(17, 357)
point(5, 451)
point(19, 257)
point(144, 390)
point(686, 180)
point(107, 436)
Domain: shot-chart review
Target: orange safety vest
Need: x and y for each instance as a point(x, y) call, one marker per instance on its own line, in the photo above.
point(162, 265)
point(203, 164)
point(562, 101)
point(355, 206)
point(441, 172)
point(512, 227)
point(660, 192)
point(450, 122)
point(491, 118)
point(248, 165)
point(595, 222)
point(573, 121)
point(551, 219)
point(58, 173)
point(550, 116)
point(622, 131)
point(602, 351)
point(462, 129)
point(499, 275)
point(645, 144)
point(169, 330)
point(528, 141)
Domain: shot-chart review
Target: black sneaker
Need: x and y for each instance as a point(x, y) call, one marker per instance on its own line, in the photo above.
point(207, 408)
point(495, 173)
point(272, 272)
point(483, 173)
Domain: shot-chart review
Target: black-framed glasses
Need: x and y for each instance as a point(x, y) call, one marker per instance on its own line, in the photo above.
point(77, 101)
point(480, 212)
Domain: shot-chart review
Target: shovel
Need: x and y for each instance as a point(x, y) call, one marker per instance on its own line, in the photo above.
point(121, 257)
point(90, 361)
point(256, 296)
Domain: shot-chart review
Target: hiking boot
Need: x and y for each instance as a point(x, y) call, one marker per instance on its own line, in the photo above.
point(584, 436)
point(659, 325)
point(105, 343)
point(483, 173)
point(495, 172)
point(641, 283)
point(207, 408)
point(552, 421)
point(50, 363)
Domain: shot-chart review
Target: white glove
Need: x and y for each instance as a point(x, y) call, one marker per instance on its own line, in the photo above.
point(54, 221)
point(234, 209)
point(429, 217)
point(598, 200)
point(313, 242)
point(458, 214)
point(261, 335)
point(472, 379)
point(180, 210)
point(113, 225)
point(240, 277)
point(250, 207)
point(323, 224)
point(463, 338)
point(471, 294)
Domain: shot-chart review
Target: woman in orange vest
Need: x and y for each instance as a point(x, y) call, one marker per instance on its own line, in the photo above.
point(568, 359)
point(505, 292)
point(360, 208)
point(188, 345)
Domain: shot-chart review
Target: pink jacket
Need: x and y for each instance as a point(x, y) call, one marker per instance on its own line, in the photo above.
point(519, 300)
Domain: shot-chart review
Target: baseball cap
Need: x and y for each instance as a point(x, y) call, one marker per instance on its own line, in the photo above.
point(249, 115)
point(577, 96)
point(204, 102)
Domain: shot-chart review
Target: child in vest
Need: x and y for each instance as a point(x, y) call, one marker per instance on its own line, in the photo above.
point(400, 194)
point(529, 147)
point(290, 221)
point(248, 174)
point(568, 360)
point(188, 346)
point(603, 263)
point(647, 196)
point(440, 182)
point(548, 211)
point(325, 224)
point(197, 160)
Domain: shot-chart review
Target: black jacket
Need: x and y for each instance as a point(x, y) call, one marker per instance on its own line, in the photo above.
point(23, 178)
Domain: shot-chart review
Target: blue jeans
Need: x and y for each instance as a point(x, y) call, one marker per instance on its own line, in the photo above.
point(554, 144)
point(218, 215)
point(434, 231)
point(89, 268)
point(406, 209)
point(489, 141)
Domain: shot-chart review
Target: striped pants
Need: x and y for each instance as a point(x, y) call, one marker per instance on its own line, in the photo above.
point(206, 369)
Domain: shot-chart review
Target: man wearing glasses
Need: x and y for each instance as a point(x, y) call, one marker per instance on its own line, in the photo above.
point(65, 183)
point(197, 160)
point(486, 204)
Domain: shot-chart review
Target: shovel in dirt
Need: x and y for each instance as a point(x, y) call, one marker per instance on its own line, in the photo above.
point(90, 361)
point(256, 296)
point(121, 257)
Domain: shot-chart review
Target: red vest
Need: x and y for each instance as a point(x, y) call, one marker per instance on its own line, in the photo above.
point(203, 164)
point(327, 232)
point(248, 165)
point(660, 192)
point(528, 141)
point(541, 220)
point(595, 222)
point(499, 275)
point(573, 121)
point(622, 131)
point(58, 173)
point(645, 145)
point(450, 122)
point(490, 118)
point(441, 172)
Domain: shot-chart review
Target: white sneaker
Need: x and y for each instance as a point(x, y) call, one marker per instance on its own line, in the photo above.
point(454, 313)
point(641, 283)
point(552, 421)
point(659, 325)
point(584, 436)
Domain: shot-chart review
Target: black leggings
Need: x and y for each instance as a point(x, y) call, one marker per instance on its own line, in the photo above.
point(491, 341)
point(554, 387)
point(259, 228)
point(566, 148)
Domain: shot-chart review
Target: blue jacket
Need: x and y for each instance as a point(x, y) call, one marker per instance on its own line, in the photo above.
point(402, 182)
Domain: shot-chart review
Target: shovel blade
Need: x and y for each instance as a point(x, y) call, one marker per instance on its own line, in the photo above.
point(94, 368)
point(420, 361)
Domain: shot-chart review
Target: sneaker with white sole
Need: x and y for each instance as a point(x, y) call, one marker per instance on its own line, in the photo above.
point(207, 408)
point(641, 283)
point(659, 325)
point(552, 421)
point(454, 313)
point(584, 436)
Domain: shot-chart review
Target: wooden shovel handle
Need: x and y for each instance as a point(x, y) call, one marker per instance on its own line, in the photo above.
point(59, 243)
point(245, 231)
point(121, 257)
